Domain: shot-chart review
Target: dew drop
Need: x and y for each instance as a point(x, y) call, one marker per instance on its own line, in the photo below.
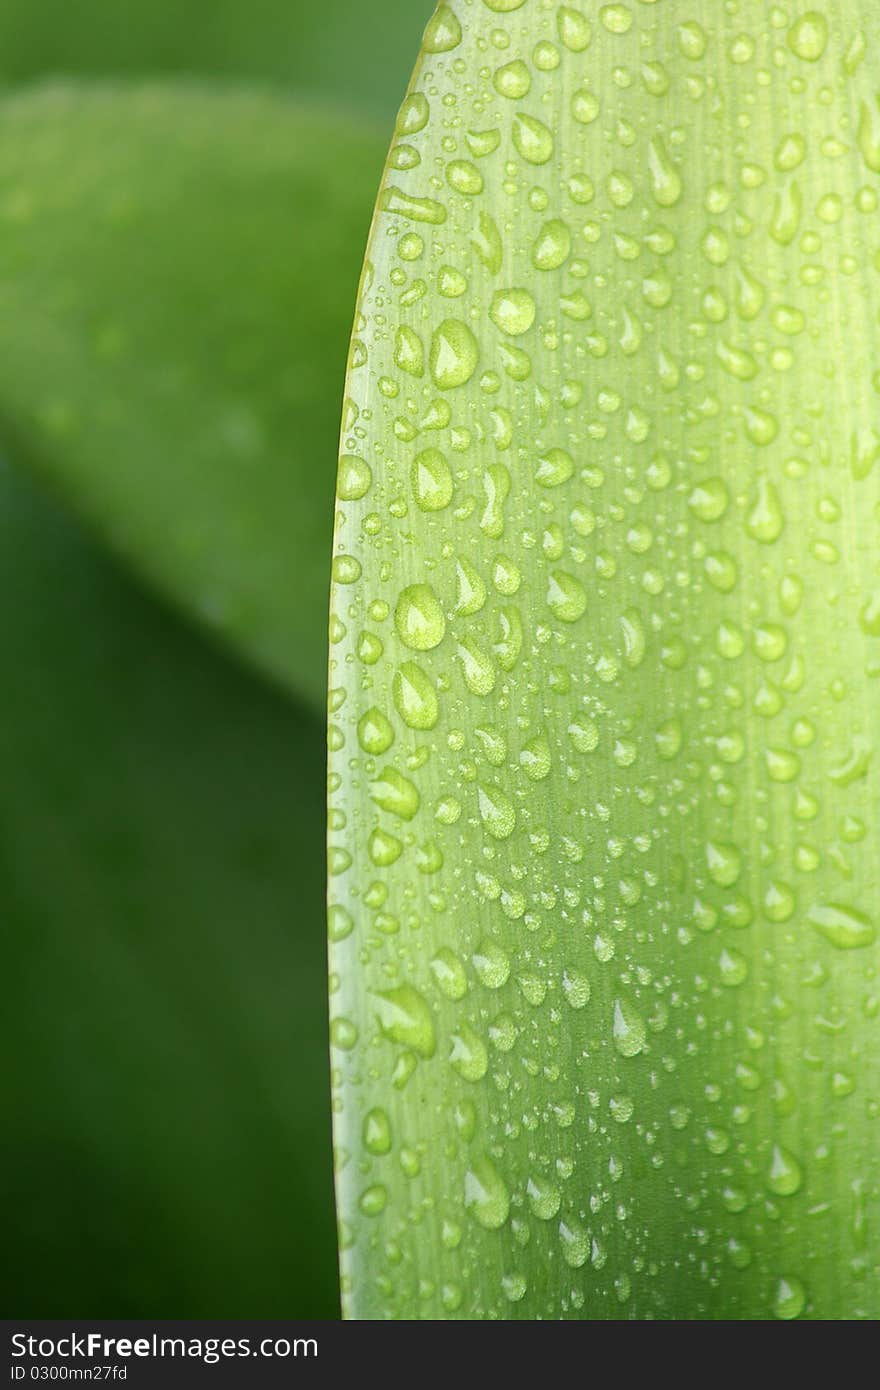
point(535, 758)
point(409, 355)
point(790, 152)
point(443, 32)
point(468, 1055)
point(709, 499)
point(476, 667)
point(575, 1244)
point(496, 812)
point(555, 467)
point(544, 1199)
point(573, 28)
point(449, 974)
point(552, 246)
point(513, 311)
point(454, 354)
point(376, 1132)
point(431, 480)
point(765, 519)
point(354, 478)
point(786, 213)
point(395, 200)
point(808, 36)
point(485, 1195)
point(343, 1034)
point(375, 732)
point(532, 139)
point(512, 80)
point(692, 39)
point(405, 1018)
point(491, 965)
point(415, 697)
point(785, 1176)
point(373, 1200)
point(470, 588)
point(869, 617)
point(584, 106)
point(869, 135)
point(486, 241)
point(566, 596)
point(665, 179)
point(419, 618)
point(395, 793)
point(628, 1029)
point(340, 923)
point(464, 177)
point(384, 848)
point(845, 927)
point(789, 1299)
point(576, 988)
point(733, 967)
point(723, 862)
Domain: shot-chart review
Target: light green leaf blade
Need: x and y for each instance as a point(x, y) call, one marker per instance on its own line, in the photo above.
point(342, 47)
point(605, 675)
point(164, 1021)
point(177, 267)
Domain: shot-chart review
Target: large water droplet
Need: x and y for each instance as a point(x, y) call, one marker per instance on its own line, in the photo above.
point(513, 311)
point(628, 1029)
point(785, 1176)
point(532, 139)
point(566, 596)
point(808, 36)
point(405, 1018)
point(789, 1299)
point(454, 354)
point(419, 618)
point(431, 480)
point(496, 812)
point(665, 179)
point(845, 927)
point(485, 1194)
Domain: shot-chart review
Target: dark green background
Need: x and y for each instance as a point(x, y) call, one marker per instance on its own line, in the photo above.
point(167, 1146)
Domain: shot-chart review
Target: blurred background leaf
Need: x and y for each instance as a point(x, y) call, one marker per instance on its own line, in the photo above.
point(161, 819)
point(166, 1143)
point(178, 267)
point(358, 53)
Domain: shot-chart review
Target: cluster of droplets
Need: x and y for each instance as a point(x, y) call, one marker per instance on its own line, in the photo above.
point(606, 603)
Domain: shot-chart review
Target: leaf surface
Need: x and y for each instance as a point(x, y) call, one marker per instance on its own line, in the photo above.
point(177, 267)
point(164, 1017)
point(605, 674)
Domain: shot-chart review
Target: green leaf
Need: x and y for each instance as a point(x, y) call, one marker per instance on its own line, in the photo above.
point(177, 267)
point(343, 47)
point(165, 1019)
point(606, 675)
